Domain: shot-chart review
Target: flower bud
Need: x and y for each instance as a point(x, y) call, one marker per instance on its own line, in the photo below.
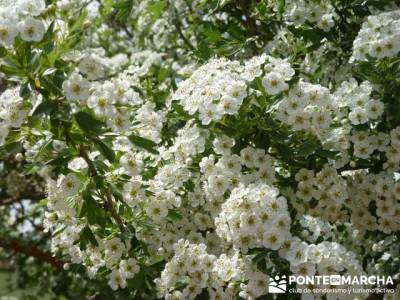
point(19, 157)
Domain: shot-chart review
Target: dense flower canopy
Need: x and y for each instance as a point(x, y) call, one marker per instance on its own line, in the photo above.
point(194, 149)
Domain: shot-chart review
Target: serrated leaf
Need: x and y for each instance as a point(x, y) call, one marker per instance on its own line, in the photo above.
point(91, 209)
point(88, 123)
point(174, 215)
point(25, 90)
point(327, 153)
point(46, 107)
point(105, 150)
point(87, 236)
point(143, 143)
point(308, 147)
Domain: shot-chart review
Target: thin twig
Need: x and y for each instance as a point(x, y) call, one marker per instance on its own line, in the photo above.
point(109, 206)
point(183, 37)
point(111, 209)
point(83, 153)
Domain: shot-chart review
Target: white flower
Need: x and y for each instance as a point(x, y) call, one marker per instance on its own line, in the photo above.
point(128, 268)
point(133, 193)
point(321, 119)
point(378, 37)
point(31, 7)
point(326, 22)
point(305, 269)
point(119, 121)
point(299, 120)
point(8, 32)
point(3, 133)
point(76, 88)
point(230, 165)
point(157, 210)
point(358, 116)
point(374, 109)
point(101, 101)
point(70, 185)
point(315, 253)
point(229, 105)
point(297, 254)
point(91, 66)
point(117, 280)
point(31, 30)
point(223, 144)
point(14, 115)
point(131, 164)
point(274, 83)
point(218, 184)
point(273, 239)
point(77, 164)
point(248, 157)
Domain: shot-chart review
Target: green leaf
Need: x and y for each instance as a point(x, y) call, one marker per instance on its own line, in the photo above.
point(91, 209)
point(308, 147)
point(136, 282)
point(162, 74)
point(105, 150)
point(46, 107)
point(174, 215)
point(155, 10)
point(43, 202)
point(327, 153)
point(87, 236)
point(88, 123)
point(25, 90)
point(77, 24)
point(281, 7)
point(124, 9)
point(13, 147)
point(203, 51)
point(143, 143)
point(179, 112)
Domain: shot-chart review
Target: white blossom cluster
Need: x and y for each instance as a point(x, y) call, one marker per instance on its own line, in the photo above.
point(219, 87)
point(383, 191)
point(63, 199)
point(326, 186)
point(307, 107)
point(379, 37)
point(253, 217)
point(357, 98)
point(221, 276)
point(315, 227)
point(114, 100)
point(320, 13)
point(21, 17)
point(209, 201)
point(233, 202)
point(143, 61)
point(13, 112)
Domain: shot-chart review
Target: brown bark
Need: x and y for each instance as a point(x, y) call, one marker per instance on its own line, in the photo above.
point(32, 251)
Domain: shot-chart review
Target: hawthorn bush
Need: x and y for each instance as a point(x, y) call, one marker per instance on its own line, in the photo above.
point(192, 149)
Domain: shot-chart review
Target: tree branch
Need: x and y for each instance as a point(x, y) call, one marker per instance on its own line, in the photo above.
point(183, 37)
point(109, 206)
point(85, 156)
point(26, 195)
point(31, 251)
